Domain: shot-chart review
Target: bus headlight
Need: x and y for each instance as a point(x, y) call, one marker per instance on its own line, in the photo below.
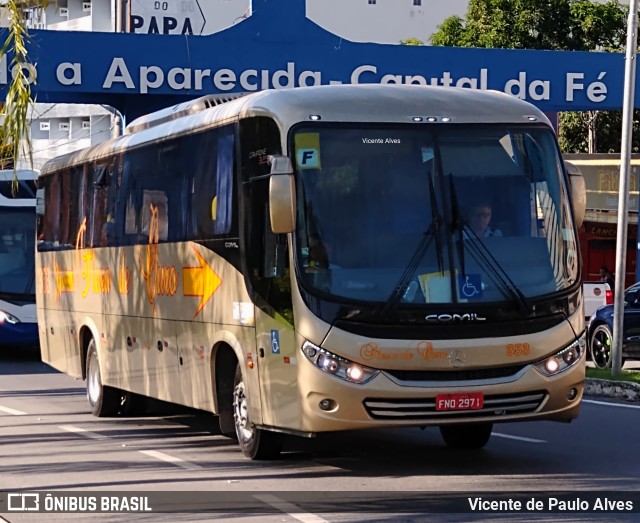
point(6, 317)
point(337, 365)
point(563, 359)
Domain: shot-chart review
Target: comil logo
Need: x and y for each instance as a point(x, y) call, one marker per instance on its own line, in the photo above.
point(448, 318)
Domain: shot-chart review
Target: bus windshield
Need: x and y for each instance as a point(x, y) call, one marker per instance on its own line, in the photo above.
point(17, 240)
point(432, 215)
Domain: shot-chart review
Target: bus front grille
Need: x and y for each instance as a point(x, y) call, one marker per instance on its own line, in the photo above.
point(456, 375)
point(425, 409)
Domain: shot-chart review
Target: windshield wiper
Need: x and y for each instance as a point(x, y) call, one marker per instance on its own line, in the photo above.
point(433, 232)
point(482, 254)
point(457, 224)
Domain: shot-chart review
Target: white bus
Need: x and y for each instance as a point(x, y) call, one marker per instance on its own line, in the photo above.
point(18, 323)
point(298, 261)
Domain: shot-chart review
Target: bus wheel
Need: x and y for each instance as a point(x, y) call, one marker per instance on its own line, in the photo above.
point(468, 436)
point(601, 341)
point(255, 443)
point(104, 401)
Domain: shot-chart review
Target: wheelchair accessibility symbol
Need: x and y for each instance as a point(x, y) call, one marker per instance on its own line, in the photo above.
point(275, 342)
point(470, 286)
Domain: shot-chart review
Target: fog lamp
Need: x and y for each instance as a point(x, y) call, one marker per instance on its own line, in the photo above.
point(327, 404)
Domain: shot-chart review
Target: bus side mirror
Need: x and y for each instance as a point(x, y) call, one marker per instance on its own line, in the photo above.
point(282, 195)
point(40, 202)
point(578, 192)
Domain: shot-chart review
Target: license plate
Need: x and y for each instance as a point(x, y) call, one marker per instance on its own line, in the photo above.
point(460, 401)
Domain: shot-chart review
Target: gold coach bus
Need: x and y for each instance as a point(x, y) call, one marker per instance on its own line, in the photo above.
point(320, 259)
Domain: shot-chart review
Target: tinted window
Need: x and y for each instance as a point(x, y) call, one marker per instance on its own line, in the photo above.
point(26, 189)
point(16, 250)
point(447, 213)
point(176, 190)
point(186, 184)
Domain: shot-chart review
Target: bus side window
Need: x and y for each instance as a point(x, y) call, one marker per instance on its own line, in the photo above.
point(224, 181)
point(51, 226)
point(131, 194)
point(203, 187)
point(100, 192)
point(155, 216)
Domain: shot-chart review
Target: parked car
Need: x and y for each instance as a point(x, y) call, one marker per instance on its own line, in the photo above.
point(596, 294)
point(600, 330)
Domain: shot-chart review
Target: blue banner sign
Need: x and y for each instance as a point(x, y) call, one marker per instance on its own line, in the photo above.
point(278, 47)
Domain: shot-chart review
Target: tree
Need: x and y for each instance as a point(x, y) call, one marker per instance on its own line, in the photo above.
point(411, 41)
point(573, 131)
point(568, 25)
point(14, 131)
point(6, 153)
point(451, 33)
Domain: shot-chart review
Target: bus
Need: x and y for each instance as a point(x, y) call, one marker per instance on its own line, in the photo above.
point(18, 324)
point(301, 261)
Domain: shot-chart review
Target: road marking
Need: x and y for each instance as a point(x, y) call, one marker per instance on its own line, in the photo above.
point(83, 432)
point(15, 412)
point(520, 438)
point(152, 453)
point(289, 508)
point(611, 404)
point(170, 459)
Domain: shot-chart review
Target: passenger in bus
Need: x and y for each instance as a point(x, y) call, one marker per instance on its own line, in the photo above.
point(479, 219)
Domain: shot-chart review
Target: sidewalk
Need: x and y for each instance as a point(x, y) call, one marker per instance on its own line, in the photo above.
point(621, 390)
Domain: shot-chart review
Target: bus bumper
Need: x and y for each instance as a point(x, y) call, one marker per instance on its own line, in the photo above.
point(331, 404)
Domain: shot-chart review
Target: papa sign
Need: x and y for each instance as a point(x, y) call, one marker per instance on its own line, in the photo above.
point(167, 17)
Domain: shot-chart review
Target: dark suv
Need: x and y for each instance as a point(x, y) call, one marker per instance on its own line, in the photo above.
point(600, 330)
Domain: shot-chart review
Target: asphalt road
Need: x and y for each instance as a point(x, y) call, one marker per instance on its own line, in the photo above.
point(49, 442)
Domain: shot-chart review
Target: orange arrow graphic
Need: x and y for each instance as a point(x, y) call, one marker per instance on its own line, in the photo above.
point(200, 281)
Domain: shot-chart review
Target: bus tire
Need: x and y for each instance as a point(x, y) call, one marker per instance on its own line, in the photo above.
point(255, 443)
point(467, 436)
point(104, 401)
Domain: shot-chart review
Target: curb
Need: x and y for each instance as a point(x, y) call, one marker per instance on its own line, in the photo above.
point(621, 390)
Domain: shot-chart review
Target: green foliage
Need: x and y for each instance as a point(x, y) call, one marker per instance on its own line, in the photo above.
point(14, 131)
point(6, 152)
point(451, 33)
point(573, 131)
point(570, 25)
point(411, 41)
point(606, 374)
